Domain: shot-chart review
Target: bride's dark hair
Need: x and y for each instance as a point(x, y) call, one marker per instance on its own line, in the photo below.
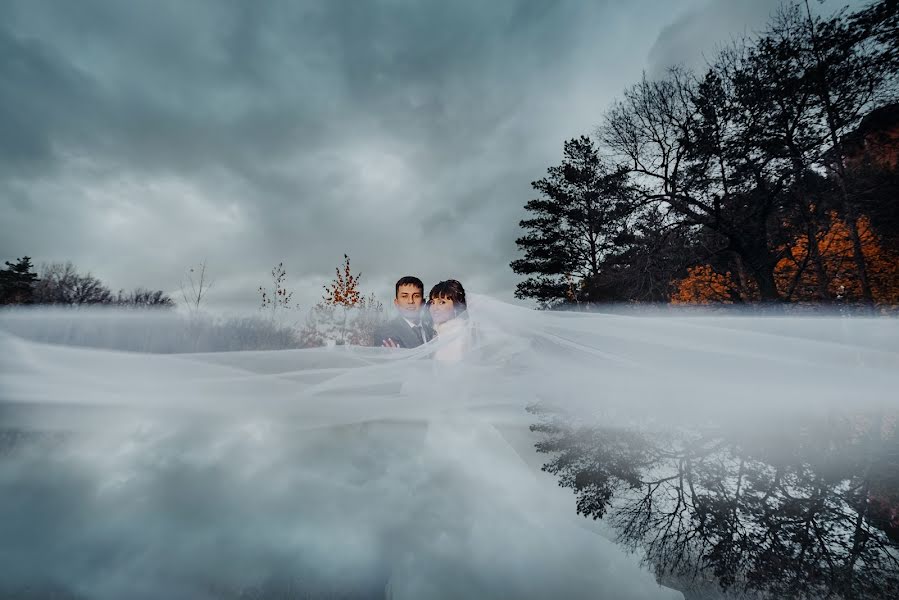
point(452, 290)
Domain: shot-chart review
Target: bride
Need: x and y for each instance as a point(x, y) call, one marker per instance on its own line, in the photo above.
point(448, 311)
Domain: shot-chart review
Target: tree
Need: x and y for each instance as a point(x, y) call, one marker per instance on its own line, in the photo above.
point(343, 291)
point(573, 229)
point(367, 317)
point(144, 298)
point(704, 284)
point(342, 296)
point(17, 282)
point(196, 288)
point(799, 510)
point(736, 173)
point(279, 298)
point(320, 328)
point(651, 254)
point(877, 187)
point(753, 143)
point(60, 283)
point(686, 144)
point(772, 81)
point(344, 315)
point(879, 22)
point(838, 257)
point(740, 151)
point(848, 78)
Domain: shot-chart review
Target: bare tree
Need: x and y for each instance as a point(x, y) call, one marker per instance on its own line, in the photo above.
point(690, 147)
point(60, 283)
point(847, 80)
point(144, 298)
point(196, 286)
point(279, 298)
point(795, 511)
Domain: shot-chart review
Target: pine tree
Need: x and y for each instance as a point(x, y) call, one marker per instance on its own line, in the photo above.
point(572, 230)
point(17, 282)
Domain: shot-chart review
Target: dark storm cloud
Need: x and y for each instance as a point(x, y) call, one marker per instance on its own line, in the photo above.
point(693, 38)
point(37, 90)
point(137, 138)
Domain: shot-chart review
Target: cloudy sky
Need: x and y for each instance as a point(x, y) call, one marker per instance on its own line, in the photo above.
point(138, 138)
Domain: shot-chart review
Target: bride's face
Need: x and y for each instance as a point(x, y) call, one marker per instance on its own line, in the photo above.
point(441, 310)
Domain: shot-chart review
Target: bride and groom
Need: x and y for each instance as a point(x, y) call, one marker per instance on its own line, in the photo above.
point(443, 317)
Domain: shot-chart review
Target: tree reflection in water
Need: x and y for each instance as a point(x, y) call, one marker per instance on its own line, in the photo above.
point(803, 510)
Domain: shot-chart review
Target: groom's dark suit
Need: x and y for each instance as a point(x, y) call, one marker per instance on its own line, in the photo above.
point(399, 330)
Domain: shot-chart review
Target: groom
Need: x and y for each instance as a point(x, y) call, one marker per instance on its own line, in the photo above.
point(406, 330)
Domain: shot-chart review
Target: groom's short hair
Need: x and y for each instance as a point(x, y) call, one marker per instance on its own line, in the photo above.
point(409, 280)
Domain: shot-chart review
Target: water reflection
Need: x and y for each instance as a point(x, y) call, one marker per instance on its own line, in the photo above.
point(804, 510)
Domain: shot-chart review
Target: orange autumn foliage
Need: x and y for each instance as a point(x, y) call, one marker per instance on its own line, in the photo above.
point(795, 277)
point(344, 315)
point(704, 285)
point(344, 289)
point(837, 256)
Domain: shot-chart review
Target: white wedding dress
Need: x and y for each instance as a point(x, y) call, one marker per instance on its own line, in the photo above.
point(454, 339)
point(360, 472)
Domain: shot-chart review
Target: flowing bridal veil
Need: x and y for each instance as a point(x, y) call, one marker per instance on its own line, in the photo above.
point(367, 472)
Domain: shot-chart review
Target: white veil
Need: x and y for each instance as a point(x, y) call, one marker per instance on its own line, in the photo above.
point(368, 472)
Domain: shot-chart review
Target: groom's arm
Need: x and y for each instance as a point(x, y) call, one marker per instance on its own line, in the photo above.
point(378, 337)
point(384, 337)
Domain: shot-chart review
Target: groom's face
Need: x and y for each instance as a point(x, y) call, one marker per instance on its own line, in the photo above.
point(408, 301)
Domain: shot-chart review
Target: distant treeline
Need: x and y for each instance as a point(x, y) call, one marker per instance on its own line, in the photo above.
point(62, 285)
point(343, 316)
point(769, 177)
